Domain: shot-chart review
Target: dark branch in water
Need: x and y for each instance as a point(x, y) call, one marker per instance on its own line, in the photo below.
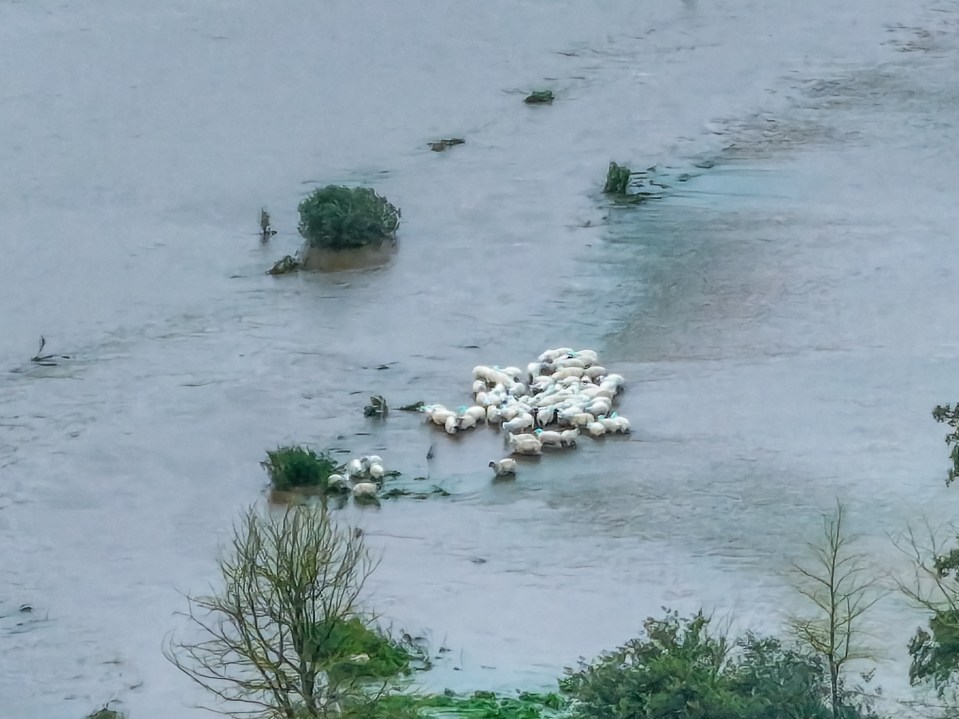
point(46, 360)
point(442, 145)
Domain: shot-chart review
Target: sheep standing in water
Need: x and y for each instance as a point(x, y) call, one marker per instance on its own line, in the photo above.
point(504, 467)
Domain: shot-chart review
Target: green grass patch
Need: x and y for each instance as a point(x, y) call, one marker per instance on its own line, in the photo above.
point(338, 218)
point(479, 705)
point(368, 653)
point(298, 467)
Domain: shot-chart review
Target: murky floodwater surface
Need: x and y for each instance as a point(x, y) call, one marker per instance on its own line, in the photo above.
point(782, 315)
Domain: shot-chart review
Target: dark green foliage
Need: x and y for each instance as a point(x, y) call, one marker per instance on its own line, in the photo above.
point(480, 705)
point(337, 218)
point(678, 670)
point(617, 179)
point(106, 713)
point(950, 415)
point(540, 97)
point(395, 492)
point(359, 651)
point(296, 467)
point(935, 653)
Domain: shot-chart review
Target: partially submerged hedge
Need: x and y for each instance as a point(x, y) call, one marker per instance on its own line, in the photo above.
point(296, 467)
point(617, 179)
point(338, 218)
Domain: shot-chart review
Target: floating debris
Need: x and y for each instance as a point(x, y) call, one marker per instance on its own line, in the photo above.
point(625, 185)
point(46, 360)
point(443, 145)
point(285, 266)
point(377, 407)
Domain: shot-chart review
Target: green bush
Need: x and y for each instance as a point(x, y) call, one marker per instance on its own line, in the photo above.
point(336, 218)
point(679, 670)
point(295, 467)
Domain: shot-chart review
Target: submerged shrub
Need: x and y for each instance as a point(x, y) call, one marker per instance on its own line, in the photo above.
point(617, 179)
point(295, 467)
point(540, 97)
point(106, 713)
point(337, 217)
point(678, 669)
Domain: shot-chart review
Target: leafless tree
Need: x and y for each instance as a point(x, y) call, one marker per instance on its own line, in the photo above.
point(841, 587)
point(267, 640)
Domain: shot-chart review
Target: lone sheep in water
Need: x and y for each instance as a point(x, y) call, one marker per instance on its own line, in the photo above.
point(504, 467)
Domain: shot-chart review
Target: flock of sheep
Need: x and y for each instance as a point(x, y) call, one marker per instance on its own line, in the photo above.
point(564, 394)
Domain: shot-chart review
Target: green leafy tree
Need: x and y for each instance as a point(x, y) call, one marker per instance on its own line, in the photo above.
point(949, 414)
point(934, 587)
point(678, 669)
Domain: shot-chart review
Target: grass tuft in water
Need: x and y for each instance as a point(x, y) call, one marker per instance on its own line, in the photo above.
point(297, 467)
point(540, 97)
point(106, 713)
point(338, 218)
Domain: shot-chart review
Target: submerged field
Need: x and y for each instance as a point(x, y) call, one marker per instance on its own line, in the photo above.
point(781, 313)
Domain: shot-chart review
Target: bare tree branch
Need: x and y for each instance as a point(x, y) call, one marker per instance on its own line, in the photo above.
point(271, 639)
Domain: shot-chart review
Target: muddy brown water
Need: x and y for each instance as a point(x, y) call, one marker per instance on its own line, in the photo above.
point(782, 316)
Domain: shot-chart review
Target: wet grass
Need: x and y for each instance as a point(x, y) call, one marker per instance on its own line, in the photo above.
point(337, 218)
point(372, 654)
point(298, 467)
point(479, 705)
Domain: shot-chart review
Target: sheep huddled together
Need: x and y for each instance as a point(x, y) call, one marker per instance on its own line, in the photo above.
point(360, 476)
point(566, 393)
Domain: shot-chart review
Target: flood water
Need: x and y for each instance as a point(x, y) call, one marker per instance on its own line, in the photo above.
point(783, 314)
